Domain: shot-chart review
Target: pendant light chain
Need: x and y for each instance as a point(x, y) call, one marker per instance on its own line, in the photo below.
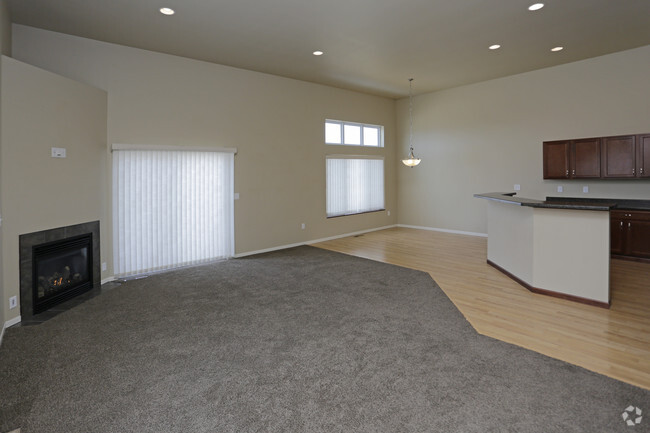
point(411, 160)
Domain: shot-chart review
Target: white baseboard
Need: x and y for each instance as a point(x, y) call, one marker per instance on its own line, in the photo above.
point(331, 238)
point(313, 241)
point(433, 229)
point(268, 250)
point(7, 324)
point(107, 280)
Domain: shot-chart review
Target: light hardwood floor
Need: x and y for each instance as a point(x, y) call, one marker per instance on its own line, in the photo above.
point(614, 342)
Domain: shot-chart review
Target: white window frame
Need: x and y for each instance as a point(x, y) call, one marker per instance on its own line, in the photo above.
point(343, 124)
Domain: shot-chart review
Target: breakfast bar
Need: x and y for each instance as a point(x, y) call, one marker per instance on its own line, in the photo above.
point(557, 248)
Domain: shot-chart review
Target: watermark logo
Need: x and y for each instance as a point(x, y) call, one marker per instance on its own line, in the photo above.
point(632, 416)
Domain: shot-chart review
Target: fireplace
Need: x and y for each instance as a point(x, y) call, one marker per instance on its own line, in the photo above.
point(57, 265)
point(61, 270)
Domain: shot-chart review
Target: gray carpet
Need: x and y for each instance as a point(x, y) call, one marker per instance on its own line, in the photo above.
point(301, 340)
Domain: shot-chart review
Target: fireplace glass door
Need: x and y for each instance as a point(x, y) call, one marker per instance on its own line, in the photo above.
point(62, 270)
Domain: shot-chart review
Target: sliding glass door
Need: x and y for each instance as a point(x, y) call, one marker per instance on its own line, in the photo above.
point(171, 208)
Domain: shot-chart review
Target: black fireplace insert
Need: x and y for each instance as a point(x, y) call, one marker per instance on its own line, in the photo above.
point(61, 270)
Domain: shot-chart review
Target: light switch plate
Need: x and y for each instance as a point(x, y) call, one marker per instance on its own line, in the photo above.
point(517, 187)
point(585, 189)
point(560, 188)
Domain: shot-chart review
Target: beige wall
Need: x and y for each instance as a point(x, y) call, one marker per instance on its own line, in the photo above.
point(5, 49)
point(5, 29)
point(488, 136)
point(40, 110)
point(277, 124)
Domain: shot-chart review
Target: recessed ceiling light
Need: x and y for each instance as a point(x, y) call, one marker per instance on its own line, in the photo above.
point(535, 7)
point(494, 47)
point(557, 49)
point(167, 11)
point(318, 53)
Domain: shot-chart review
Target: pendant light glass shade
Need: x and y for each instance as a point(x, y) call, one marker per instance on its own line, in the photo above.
point(411, 160)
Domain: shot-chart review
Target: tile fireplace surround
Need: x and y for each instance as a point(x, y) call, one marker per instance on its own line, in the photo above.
point(29, 240)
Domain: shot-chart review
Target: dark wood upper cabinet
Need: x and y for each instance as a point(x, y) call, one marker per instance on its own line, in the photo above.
point(572, 159)
point(556, 159)
point(622, 157)
point(643, 155)
point(585, 158)
point(619, 156)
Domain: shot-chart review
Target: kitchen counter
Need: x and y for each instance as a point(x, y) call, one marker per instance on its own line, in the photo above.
point(621, 204)
point(554, 247)
point(555, 202)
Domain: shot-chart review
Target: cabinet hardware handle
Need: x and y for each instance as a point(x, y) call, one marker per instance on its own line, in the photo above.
point(621, 225)
point(633, 171)
point(574, 172)
point(629, 225)
point(567, 172)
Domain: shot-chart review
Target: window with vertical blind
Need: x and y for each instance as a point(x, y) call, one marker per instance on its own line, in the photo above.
point(171, 208)
point(355, 184)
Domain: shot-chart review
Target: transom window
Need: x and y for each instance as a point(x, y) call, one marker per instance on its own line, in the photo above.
point(353, 134)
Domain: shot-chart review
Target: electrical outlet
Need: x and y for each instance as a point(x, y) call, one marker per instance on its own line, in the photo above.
point(388, 212)
point(517, 187)
point(585, 189)
point(13, 302)
point(560, 188)
point(104, 266)
point(302, 226)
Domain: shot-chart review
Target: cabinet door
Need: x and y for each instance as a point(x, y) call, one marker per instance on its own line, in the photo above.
point(617, 235)
point(638, 238)
point(585, 158)
point(643, 155)
point(619, 156)
point(556, 159)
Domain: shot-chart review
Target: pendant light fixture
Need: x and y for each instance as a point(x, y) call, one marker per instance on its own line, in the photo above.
point(411, 161)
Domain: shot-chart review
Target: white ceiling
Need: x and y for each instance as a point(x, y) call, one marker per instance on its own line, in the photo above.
point(372, 46)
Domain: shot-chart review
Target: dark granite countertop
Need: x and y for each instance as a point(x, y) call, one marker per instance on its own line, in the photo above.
point(550, 202)
point(621, 204)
